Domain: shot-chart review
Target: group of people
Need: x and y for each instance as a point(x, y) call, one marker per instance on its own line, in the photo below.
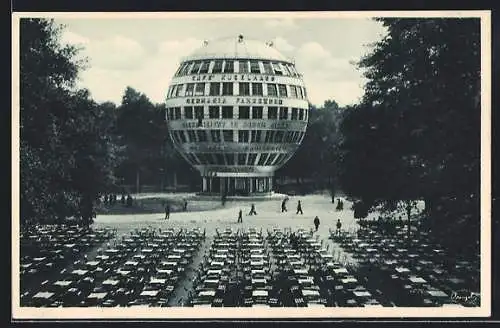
point(284, 209)
point(112, 199)
point(340, 205)
point(316, 220)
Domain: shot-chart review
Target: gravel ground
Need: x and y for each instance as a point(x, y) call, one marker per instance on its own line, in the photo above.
point(268, 216)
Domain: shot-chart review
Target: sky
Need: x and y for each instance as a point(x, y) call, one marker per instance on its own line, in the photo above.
point(144, 52)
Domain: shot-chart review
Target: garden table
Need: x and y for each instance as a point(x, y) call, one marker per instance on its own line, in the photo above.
point(214, 272)
point(202, 305)
point(79, 272)
point(260, 293)
point(97, 295)
point(417, 280)
point(63, 283)
point(43, 295)
point(437, 293)
point(340, 271)
point(157, 281)
point(123, 272)
point(348, 280)
point(402, 270)
point(149, 293)
point(362, 293)
point(259, 281)
point(306, 281)
point(456, 281)
point(310, 293)
point(301, 271)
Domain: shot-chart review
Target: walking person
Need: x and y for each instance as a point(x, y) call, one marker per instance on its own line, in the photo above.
point(185, 205)
point(223, 199)
point(339, 226)
point(252, 210)
point(240, 217)
point(316, 222)
point(167, 212)
point(283, 205)
point(299, 208)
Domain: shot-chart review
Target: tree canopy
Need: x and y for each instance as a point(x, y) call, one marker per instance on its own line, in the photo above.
point(67, 156)
point(416, 133)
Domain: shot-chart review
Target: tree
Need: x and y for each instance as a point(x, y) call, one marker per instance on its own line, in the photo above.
point(65, 153)
point(316, 156)
point(415, 134)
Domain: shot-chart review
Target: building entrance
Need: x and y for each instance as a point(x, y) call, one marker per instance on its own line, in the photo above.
point(237, 186)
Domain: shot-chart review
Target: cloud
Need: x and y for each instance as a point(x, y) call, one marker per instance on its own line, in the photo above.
point(114, 52)
point(118, 52)
point(282, 44)
point(284, 23)
point(179, 47)
point(311, 52)
point(107, 82)
point(327, 76)
point(69, 37)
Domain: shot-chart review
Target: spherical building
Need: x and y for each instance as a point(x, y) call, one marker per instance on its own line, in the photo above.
point(237, 110)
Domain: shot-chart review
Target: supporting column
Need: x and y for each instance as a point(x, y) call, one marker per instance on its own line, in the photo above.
point(251, 180)
point(270, 184)
point(204, 188)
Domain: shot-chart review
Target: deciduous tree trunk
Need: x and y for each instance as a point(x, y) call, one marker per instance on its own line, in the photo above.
point(408, 214)
point(137, 180)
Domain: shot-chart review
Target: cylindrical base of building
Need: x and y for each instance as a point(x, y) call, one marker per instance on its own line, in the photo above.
point(237, 186)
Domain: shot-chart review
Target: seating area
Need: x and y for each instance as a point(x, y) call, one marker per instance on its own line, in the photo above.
point(245, 267)
point(142, 269)
point(46, 249)
point(414, 274)
point(311, 275)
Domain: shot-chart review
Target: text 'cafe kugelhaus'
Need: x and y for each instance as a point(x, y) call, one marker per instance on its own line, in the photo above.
point(237, 111)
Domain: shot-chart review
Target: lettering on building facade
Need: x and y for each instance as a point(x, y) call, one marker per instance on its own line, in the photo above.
point(239, 100)
point(241, 124)
point(235, 77)
point(235, 148)
point(213, 170)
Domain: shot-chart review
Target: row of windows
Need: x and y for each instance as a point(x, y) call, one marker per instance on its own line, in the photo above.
point(244, 112)
point(236, 66)
point(243, 89)
point(243, 136)
point(264, 159)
